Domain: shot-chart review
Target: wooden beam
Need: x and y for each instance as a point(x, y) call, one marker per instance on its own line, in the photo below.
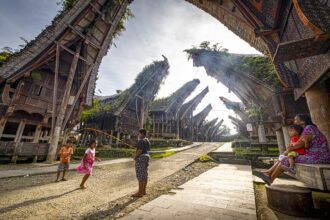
point(100, 13)
point(246, 13)
point(153, 125)
point(82, 86)
point(3, 123)
point(37, 133)
point(277, 13)
point(142, 114)
point(53, 47)
point(5, 94)
point(61, 114)
point(262, 33)
point(20, 131)
point(162, 125)
point(55, 86)
point(73, 53)
point(87, 39)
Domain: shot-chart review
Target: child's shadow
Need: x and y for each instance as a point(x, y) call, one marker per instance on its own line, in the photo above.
point(111, 211)
point(31, 202)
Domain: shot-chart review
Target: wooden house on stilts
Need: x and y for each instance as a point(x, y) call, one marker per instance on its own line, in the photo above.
point(214, 131)
point(186, 116)
point(205, 129)
point(45, 86)
point(125, 113)
point(164, 112)
point(199, 119)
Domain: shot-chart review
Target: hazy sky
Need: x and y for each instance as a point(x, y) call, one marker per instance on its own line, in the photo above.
point(160, 27)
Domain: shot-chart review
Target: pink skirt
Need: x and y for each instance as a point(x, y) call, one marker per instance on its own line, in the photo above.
point(89, 166)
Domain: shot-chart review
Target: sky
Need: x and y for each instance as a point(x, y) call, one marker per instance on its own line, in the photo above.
point(160, 27)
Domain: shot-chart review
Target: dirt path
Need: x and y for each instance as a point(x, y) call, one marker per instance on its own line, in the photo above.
point(38, 197)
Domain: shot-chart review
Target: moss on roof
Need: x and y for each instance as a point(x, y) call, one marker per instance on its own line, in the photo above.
point(112, 104)
point(163, 104)
point(257, 66)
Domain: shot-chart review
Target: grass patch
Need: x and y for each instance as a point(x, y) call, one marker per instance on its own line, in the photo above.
point(161, 148)
point(204, 158)
point(106, 152)
point(162, 155)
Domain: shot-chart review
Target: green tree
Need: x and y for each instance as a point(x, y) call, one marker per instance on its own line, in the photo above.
point(225, 130)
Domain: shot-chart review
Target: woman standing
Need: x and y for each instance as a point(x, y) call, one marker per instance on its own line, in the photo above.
point(141, 159)
point(316, 152)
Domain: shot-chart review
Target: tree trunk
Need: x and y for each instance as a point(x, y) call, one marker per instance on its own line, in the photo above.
point(319, 107)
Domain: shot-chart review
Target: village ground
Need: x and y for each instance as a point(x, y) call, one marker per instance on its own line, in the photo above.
point(108, 193)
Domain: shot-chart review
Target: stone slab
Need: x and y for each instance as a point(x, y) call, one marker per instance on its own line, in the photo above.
point(223, 192)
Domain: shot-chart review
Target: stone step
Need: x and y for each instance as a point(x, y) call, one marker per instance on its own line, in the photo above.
point(228, 156)
point(222, 153)
point(233, 161)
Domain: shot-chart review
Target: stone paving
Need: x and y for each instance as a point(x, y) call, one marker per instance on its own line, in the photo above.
point(224, 192)
point(178, 149)
point(226, 148)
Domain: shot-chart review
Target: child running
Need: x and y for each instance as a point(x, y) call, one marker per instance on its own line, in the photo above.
point(142, 162)
point(65, 155)
point(294, 131)
point(86, 165)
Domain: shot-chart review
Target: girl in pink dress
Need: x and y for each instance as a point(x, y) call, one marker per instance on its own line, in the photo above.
point(86, 165)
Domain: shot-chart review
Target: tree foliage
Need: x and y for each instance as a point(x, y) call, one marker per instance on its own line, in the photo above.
point(260, 67)
point(257, 113)
point(225, 130)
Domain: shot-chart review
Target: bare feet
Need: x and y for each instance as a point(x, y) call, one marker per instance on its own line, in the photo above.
point(137, 195)
point(265, 172)
point(83, 187)
point(63, 179)
point(56, 181)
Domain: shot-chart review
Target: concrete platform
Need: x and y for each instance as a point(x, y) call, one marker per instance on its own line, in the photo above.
point(224, 192)
point(225, 155)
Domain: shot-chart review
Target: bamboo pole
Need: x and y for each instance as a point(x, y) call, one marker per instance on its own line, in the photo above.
point(57, 130)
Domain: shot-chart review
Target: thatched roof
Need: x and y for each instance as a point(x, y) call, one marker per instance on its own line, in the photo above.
point(231, 70)
point(200, 117)
point(215, 129)
point(234, 20)
point(22, 62)
point(175, 100)
point(192, 104)
point(149, 79)
point(237, 107)
point(237, 121)
point(208, 125)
